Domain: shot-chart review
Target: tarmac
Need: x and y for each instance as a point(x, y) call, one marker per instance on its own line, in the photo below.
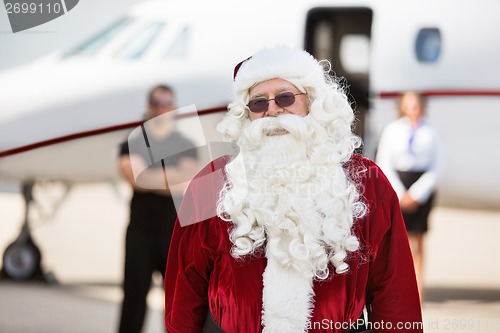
point(83, 245)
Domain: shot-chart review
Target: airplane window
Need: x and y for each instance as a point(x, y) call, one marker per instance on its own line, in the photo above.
point(137, 46)
point(428, 45)
point(179, 47)
point(355, 53)
point(97, 42)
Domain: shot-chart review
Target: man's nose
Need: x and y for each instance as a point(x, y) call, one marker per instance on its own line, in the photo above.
point(273, 108)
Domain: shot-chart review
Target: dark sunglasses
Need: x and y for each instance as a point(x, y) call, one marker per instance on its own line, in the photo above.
point(166, 104)
point(259, 105)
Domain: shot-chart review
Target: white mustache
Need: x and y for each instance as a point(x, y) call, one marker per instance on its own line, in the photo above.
point(257, 130)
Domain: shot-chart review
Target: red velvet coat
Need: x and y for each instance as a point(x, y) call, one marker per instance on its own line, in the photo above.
point(202, 275)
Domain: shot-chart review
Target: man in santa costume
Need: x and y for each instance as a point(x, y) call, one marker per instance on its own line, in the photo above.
point(307, 234)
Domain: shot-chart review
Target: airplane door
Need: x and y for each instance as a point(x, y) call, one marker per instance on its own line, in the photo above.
point(342, 35)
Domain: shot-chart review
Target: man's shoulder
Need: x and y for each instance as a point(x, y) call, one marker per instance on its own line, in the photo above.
point(209, 180)
point(180, 137)
point(214, 165)
point(358, 161)
point(363, 170)
point(176, 135)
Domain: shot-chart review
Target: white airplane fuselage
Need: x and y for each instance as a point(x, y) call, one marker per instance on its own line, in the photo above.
point(64, 118)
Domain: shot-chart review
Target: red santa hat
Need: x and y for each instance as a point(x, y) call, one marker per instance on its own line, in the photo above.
point(277, 62)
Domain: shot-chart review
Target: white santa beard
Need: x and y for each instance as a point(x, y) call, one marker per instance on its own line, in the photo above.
point(288, 195)
point(299, 202)
point(282, 196)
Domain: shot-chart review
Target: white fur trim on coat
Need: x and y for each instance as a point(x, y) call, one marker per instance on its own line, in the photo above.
point(287, 299)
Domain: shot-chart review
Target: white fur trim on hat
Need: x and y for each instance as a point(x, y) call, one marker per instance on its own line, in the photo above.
point(278, 62)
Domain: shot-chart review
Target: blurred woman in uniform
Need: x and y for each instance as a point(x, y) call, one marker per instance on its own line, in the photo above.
point(408, 153)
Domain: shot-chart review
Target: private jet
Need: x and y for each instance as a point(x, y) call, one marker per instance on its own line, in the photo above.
point(63, 116)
